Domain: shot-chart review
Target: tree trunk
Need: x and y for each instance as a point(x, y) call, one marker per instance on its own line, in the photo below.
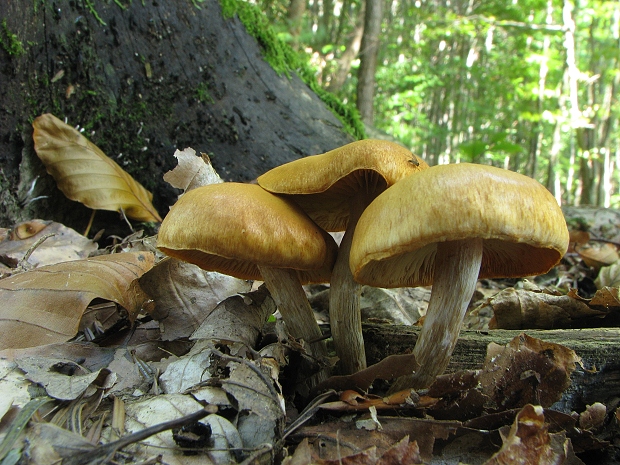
point(296, 11)
point(368, 63)
point(143, 81)
point(343, 66)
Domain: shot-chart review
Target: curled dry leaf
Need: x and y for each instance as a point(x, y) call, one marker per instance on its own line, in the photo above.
point(85, 174)
point(62, 244)
point(191, 171)
point(389, 368)
point(526, 370)
point(608, 276)
point(45, 305)
point(529, 442)
point(597, 255)
point(520, 309)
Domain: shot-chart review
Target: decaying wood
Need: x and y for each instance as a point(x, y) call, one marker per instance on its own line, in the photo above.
point(597, 380)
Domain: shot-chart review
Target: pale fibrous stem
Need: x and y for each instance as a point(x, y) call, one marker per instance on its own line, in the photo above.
point(290, 298)
point(344, 300)
point(457, 265)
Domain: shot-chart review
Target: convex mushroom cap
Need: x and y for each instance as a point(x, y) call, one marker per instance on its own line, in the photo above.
point(324, 184)
point(448, 226)
point(233, 228)
point(523, 229)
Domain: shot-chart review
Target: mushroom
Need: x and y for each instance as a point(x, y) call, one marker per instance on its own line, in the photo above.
point(448, 226)
point(244, 231)
point(334, 188)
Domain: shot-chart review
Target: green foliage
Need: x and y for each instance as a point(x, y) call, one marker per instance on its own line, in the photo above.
point(9, 41)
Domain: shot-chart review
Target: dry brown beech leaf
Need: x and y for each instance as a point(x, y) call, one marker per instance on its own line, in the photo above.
point(62, 243)
point(45, 305)
point(521, 309)
point(598, 255)
point(529, 442)
point(85, 174)
point(526, 370)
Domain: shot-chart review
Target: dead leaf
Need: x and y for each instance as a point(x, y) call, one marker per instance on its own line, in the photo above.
point(352, 401)
point(520, 309)
point(336, 440)
point(85, 174)
point(45, 305)
point(191, 171)
point(526, 370)
point(185, 295)
point(64, 244)
point(596, 255)
point(401, 453)
point(530, 443)
point(578, 237)
point(608, 276)
point(606, 297)
point(387, 369)
point(254, 390)
point(62, 379)
point(236, 319)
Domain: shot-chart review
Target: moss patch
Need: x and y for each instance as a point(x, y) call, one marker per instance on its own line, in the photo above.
point(9, 41)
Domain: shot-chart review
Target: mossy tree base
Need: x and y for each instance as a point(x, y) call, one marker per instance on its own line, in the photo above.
point(142, 82)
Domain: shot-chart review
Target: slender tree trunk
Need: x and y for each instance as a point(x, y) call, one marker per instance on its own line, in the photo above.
point(344, 62)
point(295, 15)
point(368, 63)
point(537, 137)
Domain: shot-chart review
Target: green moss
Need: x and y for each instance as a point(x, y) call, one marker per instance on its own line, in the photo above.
point(283, 59)
point(203, 94)
point(10, 42)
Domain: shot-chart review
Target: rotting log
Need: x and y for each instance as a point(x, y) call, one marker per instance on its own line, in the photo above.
point(598, 380)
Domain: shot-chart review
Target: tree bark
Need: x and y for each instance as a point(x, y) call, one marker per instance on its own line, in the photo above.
point(597, 380)
point(143, 81)
point(368, 62)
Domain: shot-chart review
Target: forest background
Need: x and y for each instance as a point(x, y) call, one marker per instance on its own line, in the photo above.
point(528, 85)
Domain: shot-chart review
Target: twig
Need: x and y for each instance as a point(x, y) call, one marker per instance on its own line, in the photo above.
point(90, 223)
point(105, 452)
point(33, 248)
point(308, 412)
point(127, 220)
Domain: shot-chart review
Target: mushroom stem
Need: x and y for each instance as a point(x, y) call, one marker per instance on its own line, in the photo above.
point(291, 300)
point(457, 265)
point(345, 317)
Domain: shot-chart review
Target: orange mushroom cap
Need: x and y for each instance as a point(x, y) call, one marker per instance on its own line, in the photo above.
point(523, 229)
point(324, 184)
point(232, 228)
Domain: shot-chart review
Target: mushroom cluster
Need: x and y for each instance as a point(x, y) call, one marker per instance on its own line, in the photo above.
point(277, 232)
point(404, 224)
